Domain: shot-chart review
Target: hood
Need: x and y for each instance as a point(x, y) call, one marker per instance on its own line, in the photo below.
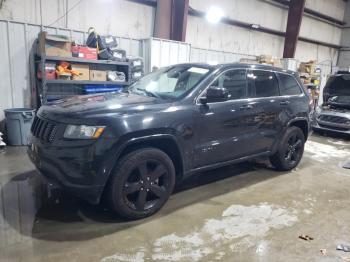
point(98, 104)
point(337, 86)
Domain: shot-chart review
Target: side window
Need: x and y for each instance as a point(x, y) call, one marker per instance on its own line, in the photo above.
point(262, 83)
point(235, 81)
point(289, 86)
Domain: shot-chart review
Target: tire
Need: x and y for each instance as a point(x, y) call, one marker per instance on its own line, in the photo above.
point(290, 151)
point(141, 183)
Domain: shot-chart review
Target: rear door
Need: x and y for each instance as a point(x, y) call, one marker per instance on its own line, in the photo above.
point(290, 101)
point(263, 86)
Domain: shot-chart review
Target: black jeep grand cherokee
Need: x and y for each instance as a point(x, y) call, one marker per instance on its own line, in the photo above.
point(135, 145)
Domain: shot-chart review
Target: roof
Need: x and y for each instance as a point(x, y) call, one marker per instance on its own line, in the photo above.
point(241, 65)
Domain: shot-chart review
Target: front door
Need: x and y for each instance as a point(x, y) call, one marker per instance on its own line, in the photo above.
point(227, 130)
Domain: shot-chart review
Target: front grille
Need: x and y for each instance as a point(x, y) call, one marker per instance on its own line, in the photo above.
point(334, 119)
point(335, 127)
point(43, 129)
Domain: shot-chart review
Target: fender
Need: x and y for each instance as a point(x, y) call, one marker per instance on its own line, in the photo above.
point(290, 123)
point(147, 138)
point(307, 120)
point(122, 143)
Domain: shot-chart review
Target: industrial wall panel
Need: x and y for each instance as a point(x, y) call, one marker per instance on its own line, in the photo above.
point(17, 64)
point(132, 46)
point(160, 53)
point(215, 56)
point(6, 86)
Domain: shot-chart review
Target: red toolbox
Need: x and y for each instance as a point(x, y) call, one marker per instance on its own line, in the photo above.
point(84, 52)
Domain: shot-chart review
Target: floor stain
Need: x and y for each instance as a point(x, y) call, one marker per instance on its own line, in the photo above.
point(236, 222)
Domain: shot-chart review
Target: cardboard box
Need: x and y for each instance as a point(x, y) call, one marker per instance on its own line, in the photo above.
point(54, 45)
point(84, 71)
point(98, 75)
point(84, 52)
point(308, 67)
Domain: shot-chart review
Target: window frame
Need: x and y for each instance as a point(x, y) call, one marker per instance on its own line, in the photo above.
point(251, 99)
point(277, 79)
point(280, 84)
point(214, 80)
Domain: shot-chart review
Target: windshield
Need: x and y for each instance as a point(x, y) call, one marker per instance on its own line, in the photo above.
point(171, 82)
point(337, 86)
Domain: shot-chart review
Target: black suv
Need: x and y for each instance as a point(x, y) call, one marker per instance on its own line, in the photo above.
point(135, 145)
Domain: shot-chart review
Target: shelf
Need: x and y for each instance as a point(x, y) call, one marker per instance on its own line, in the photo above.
point(87, 61)
point(85, 82)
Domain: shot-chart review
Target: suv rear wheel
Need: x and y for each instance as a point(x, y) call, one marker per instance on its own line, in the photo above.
point(142, 182)
point(290, 150)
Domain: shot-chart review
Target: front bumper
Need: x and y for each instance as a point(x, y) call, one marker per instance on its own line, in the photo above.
point(81, 170)
point(330, 127)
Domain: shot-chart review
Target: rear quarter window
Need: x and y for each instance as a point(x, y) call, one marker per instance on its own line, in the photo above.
point(288, 85)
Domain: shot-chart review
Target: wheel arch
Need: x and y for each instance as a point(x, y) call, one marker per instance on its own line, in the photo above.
point(301, 123)
point(165, 142)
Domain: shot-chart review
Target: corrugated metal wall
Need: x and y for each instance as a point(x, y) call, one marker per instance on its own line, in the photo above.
point(160, 53)
point(16, 52)
point(216, 56)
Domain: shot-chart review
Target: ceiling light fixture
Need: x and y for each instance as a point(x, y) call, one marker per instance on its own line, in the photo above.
point(214, 14)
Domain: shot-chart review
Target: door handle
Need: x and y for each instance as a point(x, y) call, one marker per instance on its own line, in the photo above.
point(245, 107)
point(284, 103)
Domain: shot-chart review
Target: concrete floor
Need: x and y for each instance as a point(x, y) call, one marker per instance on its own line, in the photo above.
point(246, 212)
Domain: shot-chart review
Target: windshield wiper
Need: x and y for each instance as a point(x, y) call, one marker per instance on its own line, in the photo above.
point(149, 93)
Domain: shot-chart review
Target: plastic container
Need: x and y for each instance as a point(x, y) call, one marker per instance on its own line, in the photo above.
point(18, 122)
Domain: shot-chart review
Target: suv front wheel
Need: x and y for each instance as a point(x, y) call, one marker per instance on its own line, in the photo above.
point(141, 183)
point(290, 150)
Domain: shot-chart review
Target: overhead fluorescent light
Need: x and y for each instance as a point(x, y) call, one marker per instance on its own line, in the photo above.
point(214, 14)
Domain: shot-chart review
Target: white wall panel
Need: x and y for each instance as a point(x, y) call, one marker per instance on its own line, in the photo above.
point(160, 53)
point(116, 17)
point(333, 8)
point(213, 56)
point(229, 38)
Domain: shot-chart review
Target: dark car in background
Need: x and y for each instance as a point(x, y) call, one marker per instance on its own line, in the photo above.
point(334, 114)
point(136, 145)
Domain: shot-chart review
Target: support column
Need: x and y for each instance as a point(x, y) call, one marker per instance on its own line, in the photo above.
point(171, 19)
point(295, 16)
point(344, 53)
point(180, 13)
point(162, 25)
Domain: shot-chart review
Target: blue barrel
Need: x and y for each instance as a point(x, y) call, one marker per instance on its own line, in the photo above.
point(18, 122)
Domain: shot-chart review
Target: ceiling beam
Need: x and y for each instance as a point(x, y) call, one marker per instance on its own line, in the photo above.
point(295, 16)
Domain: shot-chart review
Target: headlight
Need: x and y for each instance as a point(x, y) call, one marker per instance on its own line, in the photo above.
point(83, 132)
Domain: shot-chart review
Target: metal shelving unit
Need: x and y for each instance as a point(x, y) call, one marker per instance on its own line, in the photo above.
point(75, 86)
point(85, 82)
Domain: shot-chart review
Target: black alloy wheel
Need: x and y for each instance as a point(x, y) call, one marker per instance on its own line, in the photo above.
point(290, 150)
point(146, 185)
point(294, 149)
point(142, 183)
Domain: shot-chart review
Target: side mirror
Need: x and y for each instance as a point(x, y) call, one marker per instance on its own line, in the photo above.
point(215, 94)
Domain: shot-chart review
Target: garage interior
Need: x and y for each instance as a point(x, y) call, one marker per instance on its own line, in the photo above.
point(240, 212)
